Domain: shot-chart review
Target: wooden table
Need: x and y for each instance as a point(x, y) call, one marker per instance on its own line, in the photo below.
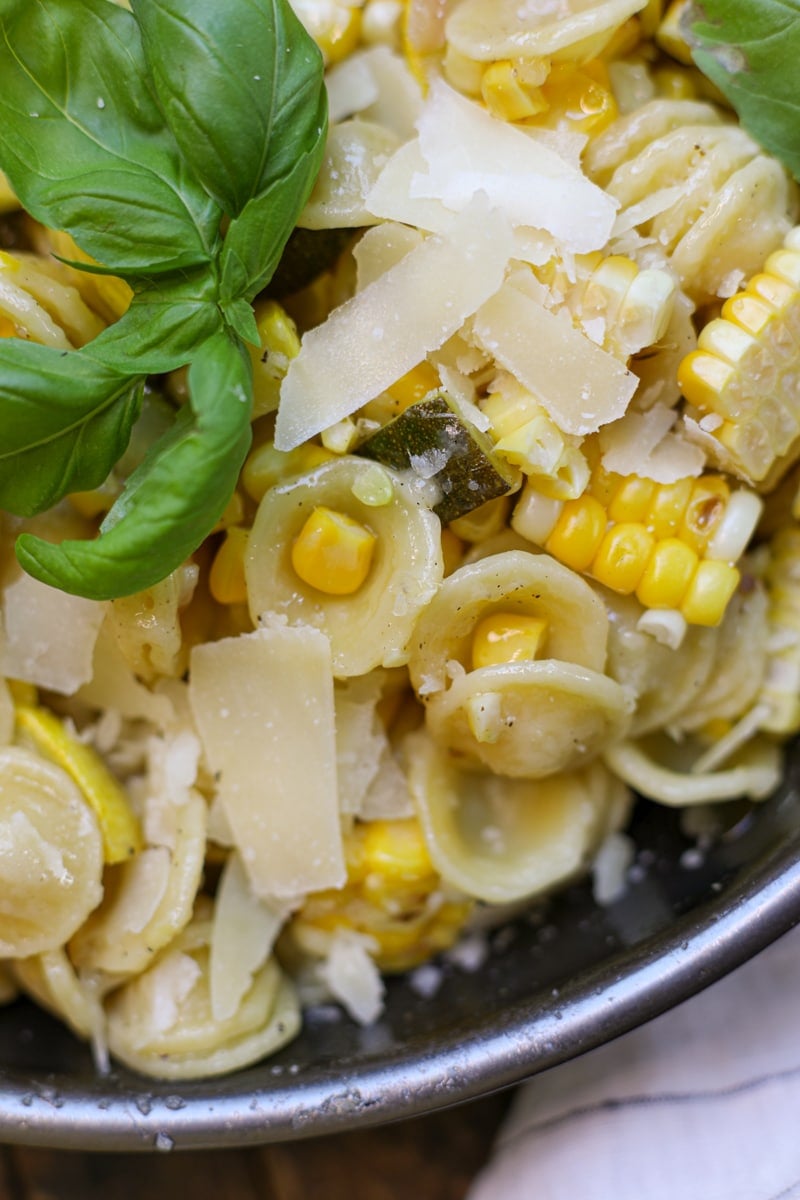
point(429, 1158)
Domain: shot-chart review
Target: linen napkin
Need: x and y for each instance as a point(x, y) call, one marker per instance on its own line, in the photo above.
point(702, 1103)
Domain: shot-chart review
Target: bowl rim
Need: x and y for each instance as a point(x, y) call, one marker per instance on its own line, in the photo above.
point(627, 989)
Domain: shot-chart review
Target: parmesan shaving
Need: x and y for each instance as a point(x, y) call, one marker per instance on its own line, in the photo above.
point(384, 331)
point(641, 444)
point(33, 647)
point(242, 935)
point(352, 976)
point(579, 385)
point(467, 150)
point(268, 697)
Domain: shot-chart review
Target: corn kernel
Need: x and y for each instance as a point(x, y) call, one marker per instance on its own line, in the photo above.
point(342, 38)
point(22, 693)
point(414, 385)
point(785, 264)
point(703, 377)
point(508, 411)
point(118, 825)
point(233, 513)
point(396, 850)
point(580, 96)
point(226, 578)
point(278, 344)
point(669, 505)
point(709, 592)
point(632, 500)
point(674, 85)
point(669, 34)
point(773, 291)
point(506, 637)
point(748, 312)
point(7, 327)
point(333, 553)
point(704, 511)
point(726, 340)
point(622, 557)
point(668, 573)
point(507, 93)
point(578, 532)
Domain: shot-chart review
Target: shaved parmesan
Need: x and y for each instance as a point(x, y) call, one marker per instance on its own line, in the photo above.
point(641, 444)
point(267, 698)
point(33, 647)
point(352, 976)
point(579, 385)
point(467, 150)
point(384, 331)
point(242, 935)
point(381, 248)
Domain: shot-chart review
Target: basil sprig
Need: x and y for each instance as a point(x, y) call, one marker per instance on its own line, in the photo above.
point(750, 50)
point(177, 144)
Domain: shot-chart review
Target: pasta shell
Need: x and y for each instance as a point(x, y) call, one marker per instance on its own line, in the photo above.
point(502, 840)
point(370, 628)
point(51, 855)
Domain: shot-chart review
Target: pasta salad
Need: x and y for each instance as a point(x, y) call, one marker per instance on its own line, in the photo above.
point(383, 511)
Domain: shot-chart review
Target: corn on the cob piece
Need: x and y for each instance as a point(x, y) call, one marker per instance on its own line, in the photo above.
point(393, 893)
point(118, 825)
point(780, 691)
point(746, 370)
point(674, 545)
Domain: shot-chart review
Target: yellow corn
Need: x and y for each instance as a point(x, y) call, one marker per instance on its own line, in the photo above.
point(334, 26)
point(266, 466)
point(745, 370)
point(669, 34)
point(578, 97)
point(333, 553)
point(622, 556)
point(674, 545)
point(7, 327)
point(504, 637)
point(118, 824)
point(511, 89)
point(393, 894)
point(634, 304)
point(279, 343)
point(708, 593)
point(226, 579)
point(414, 385)
point(529, 439)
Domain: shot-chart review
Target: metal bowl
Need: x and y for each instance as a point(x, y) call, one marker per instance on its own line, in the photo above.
point(553, 985)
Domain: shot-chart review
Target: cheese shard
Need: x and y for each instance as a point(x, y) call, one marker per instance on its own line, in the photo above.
point(382, 332)
point(33, 647)
point(466, 150)
point(579, 385)
point(263, 706)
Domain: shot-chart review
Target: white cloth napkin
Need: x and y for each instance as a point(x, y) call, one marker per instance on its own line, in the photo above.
point(702, 1103)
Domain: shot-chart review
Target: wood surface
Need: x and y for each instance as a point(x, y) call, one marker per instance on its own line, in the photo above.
point(429, 1158)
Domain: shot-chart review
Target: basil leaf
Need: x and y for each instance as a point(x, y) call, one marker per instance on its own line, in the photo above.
point(242, 320)
point(174, 499)
point(241, 91)
point(162, 328)
point(84, 143)
point(64, 422)
point(750, 51)
point(255, 241)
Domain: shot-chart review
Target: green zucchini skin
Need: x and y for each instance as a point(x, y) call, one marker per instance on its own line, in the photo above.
point(432, 439)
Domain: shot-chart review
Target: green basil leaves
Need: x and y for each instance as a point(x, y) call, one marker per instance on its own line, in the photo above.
point(750, 50)
point(177, 144)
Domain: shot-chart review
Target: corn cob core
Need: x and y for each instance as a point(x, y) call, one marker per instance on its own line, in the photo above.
point(745, 373)
point(393, 894)
point(673, 545)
